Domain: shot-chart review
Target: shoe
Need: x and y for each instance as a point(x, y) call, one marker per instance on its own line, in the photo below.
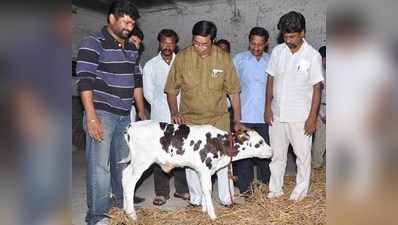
point(160, 200)
point(183, 196)
point(138, 200)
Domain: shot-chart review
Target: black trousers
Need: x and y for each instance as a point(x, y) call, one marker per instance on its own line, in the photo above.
point(244, 168)
point(162, 181)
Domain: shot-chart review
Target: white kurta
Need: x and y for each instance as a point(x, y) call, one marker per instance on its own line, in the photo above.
point(294, 76)
point(155, 75)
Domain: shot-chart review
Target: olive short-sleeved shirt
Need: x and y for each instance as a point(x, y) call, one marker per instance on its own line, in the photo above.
point(203, 85)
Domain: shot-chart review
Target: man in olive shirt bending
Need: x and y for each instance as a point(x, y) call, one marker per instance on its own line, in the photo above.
point(204, 75)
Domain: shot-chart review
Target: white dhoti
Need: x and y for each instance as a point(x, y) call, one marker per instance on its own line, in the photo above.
point(281, 134)
point(195, 188)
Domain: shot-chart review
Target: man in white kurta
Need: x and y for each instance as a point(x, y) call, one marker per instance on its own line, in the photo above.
point(292, 101)
point(155, 72)
point(155, 75)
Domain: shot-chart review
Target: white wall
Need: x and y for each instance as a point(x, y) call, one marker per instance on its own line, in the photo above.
point(182, 17)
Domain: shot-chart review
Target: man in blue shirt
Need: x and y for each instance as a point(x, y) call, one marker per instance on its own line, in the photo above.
point(109, 79)
point(251, 66)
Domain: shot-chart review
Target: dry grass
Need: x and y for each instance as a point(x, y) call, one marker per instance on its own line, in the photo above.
point(255, 211)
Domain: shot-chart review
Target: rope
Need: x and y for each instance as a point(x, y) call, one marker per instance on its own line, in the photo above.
point(231, 153)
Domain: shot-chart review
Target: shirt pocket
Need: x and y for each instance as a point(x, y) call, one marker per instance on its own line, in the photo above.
point(302, 71)
point(216, 79)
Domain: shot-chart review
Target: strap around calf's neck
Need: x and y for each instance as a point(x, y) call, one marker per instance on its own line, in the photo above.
point(231, 151)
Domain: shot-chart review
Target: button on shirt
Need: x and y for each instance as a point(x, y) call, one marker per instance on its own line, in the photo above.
point(155, 75)
point(253, 80)
point(294, 76)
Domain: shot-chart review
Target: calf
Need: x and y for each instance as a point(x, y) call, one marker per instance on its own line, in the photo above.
point(200, 147)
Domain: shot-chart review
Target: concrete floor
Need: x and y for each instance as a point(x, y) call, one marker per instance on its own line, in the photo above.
point(146, 189)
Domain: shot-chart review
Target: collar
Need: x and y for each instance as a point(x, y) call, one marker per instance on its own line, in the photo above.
point(302, 47)
point(161, 59)
point(251, 56)
point(111, 40)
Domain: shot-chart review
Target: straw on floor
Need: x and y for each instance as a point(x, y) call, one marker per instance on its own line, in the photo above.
point(254, 211)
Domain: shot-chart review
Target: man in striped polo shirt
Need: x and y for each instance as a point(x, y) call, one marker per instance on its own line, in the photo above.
point(109, 76)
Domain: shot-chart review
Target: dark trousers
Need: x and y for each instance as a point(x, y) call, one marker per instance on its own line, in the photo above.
point(244, 168)
point(162, 181)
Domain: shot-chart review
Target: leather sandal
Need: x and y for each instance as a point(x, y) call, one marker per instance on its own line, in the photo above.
point(183, 196)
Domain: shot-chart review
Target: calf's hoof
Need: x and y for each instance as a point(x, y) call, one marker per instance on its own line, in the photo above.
point(132, 215)
point(213, 217)
point(296, 197)
point(272, 195)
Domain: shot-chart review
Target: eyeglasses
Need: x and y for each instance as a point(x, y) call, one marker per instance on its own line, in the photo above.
point(198, 44)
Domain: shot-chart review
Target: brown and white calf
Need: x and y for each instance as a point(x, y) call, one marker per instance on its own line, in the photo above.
point(200, 147)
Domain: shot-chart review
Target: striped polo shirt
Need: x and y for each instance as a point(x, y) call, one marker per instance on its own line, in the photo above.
point(110, 71)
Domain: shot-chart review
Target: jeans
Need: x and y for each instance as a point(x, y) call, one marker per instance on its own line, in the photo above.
point(244, 167)
point(162, 181)
point(104, 173)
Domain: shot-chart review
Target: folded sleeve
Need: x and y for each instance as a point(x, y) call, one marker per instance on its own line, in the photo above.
point(316, 69)
point(273, 62)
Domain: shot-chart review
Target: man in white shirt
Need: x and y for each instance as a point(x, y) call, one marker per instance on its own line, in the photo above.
point(292, 101)
point(155, 75)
